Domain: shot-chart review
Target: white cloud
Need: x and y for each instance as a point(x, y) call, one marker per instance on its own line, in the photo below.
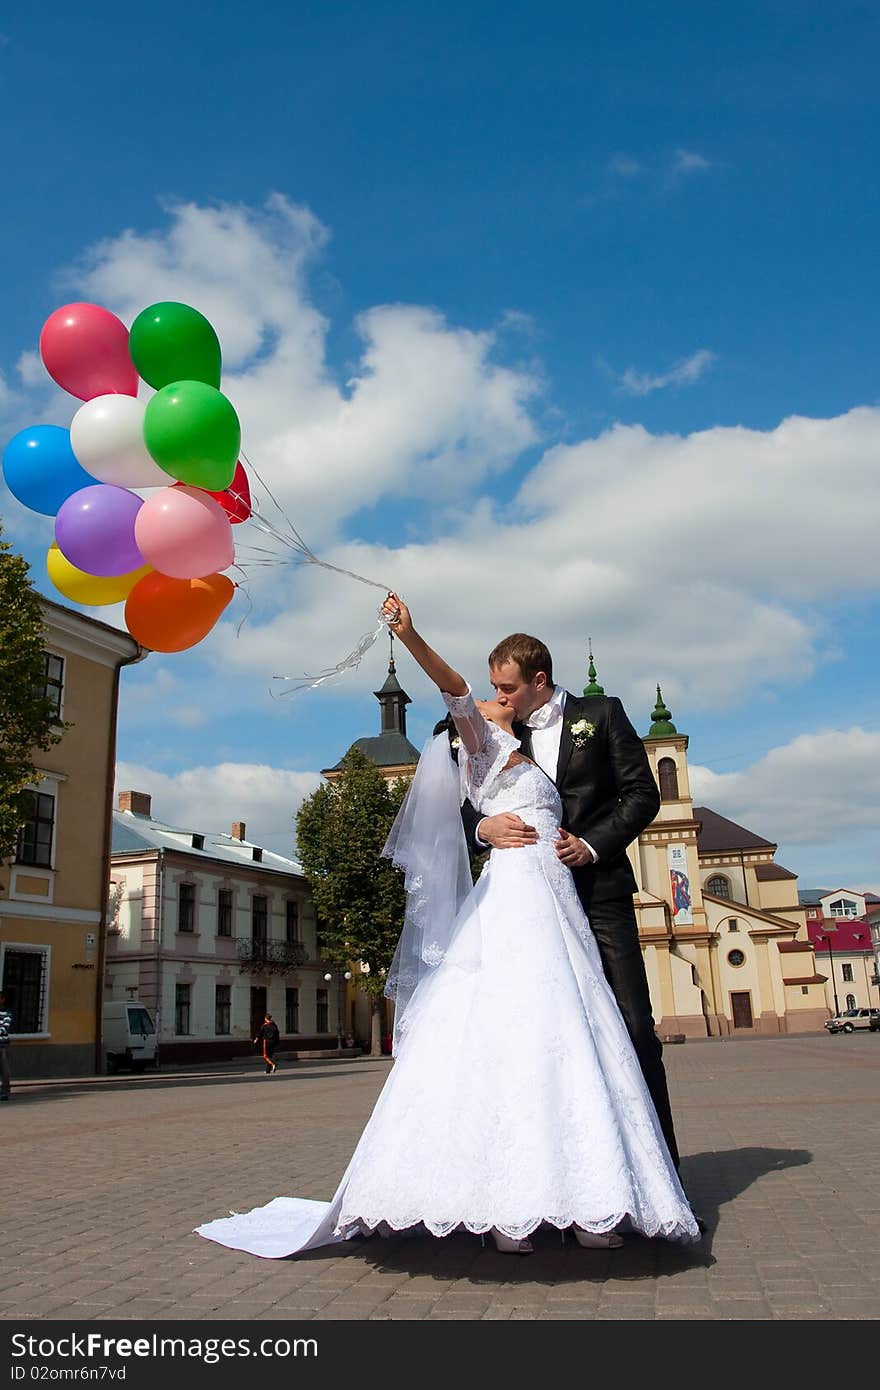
point(816, 797)
point(208, 799)
point(624, 166)
point(818, 788)
point(425, 399)
point(684, 373)
point(689, 162)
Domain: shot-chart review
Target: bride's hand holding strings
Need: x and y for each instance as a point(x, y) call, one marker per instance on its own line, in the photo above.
point(399, 620)
point(397, 615)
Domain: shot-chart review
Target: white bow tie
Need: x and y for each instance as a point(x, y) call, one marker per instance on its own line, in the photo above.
point(544, 716)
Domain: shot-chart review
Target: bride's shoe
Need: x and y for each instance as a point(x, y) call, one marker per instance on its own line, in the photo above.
point(508, 1246)
point(590, 1240)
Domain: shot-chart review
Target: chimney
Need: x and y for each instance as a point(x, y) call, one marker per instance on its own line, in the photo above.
point(238, 830)
point(136, 802)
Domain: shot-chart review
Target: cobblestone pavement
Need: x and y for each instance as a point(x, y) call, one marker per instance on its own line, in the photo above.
point(105, 1178)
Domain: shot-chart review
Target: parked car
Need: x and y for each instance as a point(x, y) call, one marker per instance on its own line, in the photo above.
point(129, 1036)
point(851, 1019)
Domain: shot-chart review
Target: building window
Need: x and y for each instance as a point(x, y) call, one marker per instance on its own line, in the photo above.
point(844, 907)
point(222, 1005)
point(51, 687)
point(805, 989)
point(291, 1011)
point(292, 909)
point(259, 918)
point(850, 1001)
point(667, 773)
point(736, 958)
point(35, 836)
point(25, 981)
point(733, 924)
point(719, 886)
point(224, 912)
point(322, 1011)
point(847, 973)
point(182, 1005)
point(186, 907)
point(198, 842)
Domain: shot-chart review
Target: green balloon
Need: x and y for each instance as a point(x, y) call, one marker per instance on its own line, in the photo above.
point(192, 431)
point(174, 342)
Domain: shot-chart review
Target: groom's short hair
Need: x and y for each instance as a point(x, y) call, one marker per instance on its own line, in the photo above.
point(529, 653)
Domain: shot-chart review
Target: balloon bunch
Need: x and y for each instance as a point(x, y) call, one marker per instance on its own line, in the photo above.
point(161, 554)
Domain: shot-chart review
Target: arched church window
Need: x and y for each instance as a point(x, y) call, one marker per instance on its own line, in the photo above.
point(668, 777)
point(718, 886)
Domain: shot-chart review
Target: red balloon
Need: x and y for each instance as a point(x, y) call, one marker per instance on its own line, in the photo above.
point(85, 349)
point(235, 499)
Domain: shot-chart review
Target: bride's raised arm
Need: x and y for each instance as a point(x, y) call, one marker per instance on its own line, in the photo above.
point(470, 723)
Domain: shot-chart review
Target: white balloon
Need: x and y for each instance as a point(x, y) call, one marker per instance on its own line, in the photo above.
point(107, 436)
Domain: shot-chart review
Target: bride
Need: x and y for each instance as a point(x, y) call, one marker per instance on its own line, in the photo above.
point(516, 1098)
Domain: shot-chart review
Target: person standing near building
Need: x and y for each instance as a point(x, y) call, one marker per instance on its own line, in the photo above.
point(5, 1032)
point(268, 1035)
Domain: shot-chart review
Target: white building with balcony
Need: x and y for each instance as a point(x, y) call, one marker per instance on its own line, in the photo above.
point(212, 932)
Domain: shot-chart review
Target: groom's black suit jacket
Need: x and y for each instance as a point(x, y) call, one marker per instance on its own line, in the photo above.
point(608, 793)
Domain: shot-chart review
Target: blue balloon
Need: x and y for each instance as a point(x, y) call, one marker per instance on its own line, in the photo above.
point(41, 469)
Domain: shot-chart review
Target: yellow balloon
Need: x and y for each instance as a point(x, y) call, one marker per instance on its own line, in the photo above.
point(93, 589)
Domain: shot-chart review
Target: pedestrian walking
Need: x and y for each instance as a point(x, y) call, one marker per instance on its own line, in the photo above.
point(268, 1036)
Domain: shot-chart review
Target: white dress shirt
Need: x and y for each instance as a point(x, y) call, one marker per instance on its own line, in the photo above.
point(546, 730)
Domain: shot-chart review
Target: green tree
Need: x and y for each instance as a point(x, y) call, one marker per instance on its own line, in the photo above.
point(27, 722)
point(359, 897)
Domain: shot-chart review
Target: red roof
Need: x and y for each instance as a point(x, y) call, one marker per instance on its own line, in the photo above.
point(846, 934)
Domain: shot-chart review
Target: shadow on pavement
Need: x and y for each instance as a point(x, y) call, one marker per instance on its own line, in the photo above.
point(710, 1179)
point(31, 1092)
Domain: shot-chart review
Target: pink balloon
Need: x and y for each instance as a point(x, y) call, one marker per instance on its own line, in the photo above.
point(85, 349)
point(184, 533)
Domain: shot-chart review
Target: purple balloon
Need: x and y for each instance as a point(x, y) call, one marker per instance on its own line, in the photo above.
point(95, 530)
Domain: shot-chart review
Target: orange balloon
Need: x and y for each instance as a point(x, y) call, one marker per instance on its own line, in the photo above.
point(170, 615)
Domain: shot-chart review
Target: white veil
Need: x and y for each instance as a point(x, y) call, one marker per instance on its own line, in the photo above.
point(427, 841)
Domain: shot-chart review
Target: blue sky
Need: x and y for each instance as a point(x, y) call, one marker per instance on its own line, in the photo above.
point(515, 302)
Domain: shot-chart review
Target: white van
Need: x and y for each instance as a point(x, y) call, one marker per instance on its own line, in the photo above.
point(129, 1036)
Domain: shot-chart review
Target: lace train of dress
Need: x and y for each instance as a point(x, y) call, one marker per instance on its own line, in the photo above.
point(516, 1098)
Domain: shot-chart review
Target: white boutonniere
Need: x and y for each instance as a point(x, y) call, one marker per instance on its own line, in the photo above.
point(581, 732)
point(455, 743)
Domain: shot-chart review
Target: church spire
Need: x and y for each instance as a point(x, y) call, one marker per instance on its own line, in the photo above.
point(662, 726)
point(594, 688)
point(393, 699)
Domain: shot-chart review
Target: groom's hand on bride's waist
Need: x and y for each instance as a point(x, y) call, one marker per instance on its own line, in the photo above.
point(505, 831)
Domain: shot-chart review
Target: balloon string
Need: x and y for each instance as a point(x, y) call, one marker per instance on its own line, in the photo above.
point(304, 555)
point(243, 586)
point(348, 663)
point(294, 541)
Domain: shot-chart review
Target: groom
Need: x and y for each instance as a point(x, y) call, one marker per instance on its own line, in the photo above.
point(591, 751)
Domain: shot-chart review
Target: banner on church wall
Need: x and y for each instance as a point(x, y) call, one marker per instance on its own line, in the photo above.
point(682, 912)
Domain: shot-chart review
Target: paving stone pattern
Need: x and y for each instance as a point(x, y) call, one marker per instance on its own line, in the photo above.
point(104, 1179)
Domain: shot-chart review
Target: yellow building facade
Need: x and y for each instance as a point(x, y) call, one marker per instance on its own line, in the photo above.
point(53, 894)
point(723, 933)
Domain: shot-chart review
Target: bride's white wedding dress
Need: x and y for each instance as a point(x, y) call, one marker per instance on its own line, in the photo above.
point(515, 1097)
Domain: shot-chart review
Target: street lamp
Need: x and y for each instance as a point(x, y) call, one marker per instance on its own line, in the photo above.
point(342, 978)
point(827, 940)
